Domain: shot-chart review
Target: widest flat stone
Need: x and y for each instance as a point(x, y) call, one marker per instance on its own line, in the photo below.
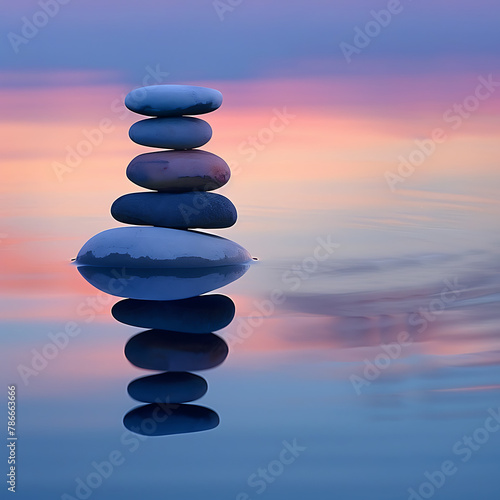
point(157, 247)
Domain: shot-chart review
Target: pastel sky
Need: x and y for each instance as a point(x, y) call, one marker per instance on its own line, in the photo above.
point(206, 39)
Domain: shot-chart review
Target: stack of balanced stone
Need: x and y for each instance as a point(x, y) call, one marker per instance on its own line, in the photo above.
point(180, 178)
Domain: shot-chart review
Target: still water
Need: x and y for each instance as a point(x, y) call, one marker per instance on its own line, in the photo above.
point(362, 358)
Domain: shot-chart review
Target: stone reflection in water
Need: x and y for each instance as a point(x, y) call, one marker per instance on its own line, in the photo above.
point(215, 312)
point(175, 351)
point(161, 419)
point(178, 352)
point(176, 387)
point(160, 284)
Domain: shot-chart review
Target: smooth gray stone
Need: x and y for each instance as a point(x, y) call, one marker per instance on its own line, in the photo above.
point(159, 247)
point(179, 171)
point(204, 314)
point(168, 387)
point(176, 211)
point(167, 419)
point(171, 133)
point(173, 100)
point(160, 284)
point(175, 351)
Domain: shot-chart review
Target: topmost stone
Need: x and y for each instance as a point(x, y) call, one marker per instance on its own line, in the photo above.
point(173, 100)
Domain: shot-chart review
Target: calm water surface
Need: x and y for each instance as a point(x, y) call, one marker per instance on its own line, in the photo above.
point(363, 356)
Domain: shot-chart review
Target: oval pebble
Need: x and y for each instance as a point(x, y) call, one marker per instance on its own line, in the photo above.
point(157, 247)
point(177, 211)
point(163, 419)
point(173, 100)
point(179, 171)
point(175, 351)
point(160, 284)
point(171, 133)
point(204, 314)
point(174, 387)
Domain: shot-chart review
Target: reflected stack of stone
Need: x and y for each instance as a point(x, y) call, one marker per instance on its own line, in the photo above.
point(180, 341)
point(180, 176)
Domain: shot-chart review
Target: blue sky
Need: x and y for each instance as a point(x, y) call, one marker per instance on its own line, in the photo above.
point(254, 39)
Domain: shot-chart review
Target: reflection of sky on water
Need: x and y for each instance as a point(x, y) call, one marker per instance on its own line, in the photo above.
point(290, 380)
